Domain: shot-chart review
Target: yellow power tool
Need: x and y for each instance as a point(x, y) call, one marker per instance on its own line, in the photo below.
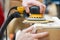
point(34, 13)
point(34, 16)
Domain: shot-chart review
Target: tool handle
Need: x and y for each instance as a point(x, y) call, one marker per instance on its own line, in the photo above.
point(34, 10)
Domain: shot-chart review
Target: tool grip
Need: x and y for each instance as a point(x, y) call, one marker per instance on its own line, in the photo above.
point(34, 10)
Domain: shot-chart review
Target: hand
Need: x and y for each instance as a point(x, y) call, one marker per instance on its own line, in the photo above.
point(29, 3)
point(27, 34)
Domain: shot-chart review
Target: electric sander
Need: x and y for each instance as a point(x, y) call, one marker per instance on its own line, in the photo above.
point(35, 14)
point(33, 17)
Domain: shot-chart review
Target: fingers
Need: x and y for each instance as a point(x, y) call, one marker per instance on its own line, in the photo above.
point(43, 8)
point(25, 4)
point(37, 3)
point(27, 9)
point(40, 35)
point(28, 29)
point(31, 3)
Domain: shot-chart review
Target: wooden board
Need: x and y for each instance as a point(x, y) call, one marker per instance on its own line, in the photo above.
point(54, 34)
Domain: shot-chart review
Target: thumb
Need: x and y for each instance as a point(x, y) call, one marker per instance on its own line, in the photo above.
point(27, 9)
point(25, 5)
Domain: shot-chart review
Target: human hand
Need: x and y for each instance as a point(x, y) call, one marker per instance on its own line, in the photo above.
point(27, 34)
point(29, 3)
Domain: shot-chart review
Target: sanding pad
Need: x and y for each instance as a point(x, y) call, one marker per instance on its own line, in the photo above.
point(36, 19)
point(41, 21)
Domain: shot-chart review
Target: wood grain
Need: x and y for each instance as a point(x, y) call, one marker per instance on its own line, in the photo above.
point(54, 34)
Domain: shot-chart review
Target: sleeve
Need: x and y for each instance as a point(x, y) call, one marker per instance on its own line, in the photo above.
point(1, 15)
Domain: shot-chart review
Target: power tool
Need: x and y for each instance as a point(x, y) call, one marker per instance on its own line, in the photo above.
point(33, 15)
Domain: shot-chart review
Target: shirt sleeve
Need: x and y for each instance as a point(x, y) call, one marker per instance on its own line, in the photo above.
point(1, 15)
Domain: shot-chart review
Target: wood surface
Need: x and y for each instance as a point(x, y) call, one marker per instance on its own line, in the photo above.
point(54, 34)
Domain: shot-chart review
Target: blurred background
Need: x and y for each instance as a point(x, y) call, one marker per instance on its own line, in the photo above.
point(53, 9)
